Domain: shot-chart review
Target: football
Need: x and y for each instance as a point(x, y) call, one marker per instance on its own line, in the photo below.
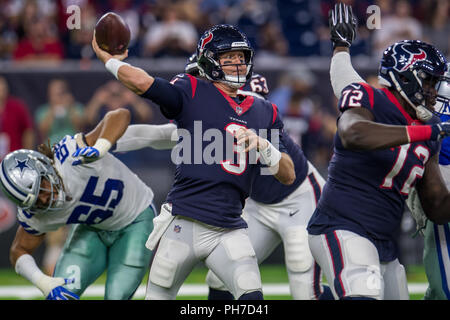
point(112, 33)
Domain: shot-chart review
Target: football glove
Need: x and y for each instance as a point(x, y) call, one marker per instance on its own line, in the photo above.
point(342, 24)
point(440, 130)
point(61, 293)
point(87, 155)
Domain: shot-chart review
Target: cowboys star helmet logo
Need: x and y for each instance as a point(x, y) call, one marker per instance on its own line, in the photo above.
point(405, 56)
point(22, 165)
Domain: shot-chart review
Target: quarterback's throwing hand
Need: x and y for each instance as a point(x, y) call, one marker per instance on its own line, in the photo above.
point(342, 25)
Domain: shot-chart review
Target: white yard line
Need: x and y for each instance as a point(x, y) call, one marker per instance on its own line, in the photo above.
point(28, 292)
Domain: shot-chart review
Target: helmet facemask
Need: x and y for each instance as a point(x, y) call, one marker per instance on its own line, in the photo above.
point(217, 72)
point(50, 183)
point(442, 106)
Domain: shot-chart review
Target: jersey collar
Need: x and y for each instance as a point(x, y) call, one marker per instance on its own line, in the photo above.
point(241, 108)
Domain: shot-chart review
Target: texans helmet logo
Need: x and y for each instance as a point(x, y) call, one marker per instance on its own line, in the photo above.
point(207, 39)
point(406, 55)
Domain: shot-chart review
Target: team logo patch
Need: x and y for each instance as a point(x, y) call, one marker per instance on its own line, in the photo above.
point(207, 39)
point(406, 55)
point(177, 228)
point(22, 165)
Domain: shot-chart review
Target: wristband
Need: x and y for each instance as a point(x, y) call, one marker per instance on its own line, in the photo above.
point(103, 146)
point(270, 156)
point(113, 65)
point(418, 133)
point(27, 268)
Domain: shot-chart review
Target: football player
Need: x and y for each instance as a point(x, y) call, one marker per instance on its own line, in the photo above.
point(201, 219)
point(387, 142)
point(436, 257)
point(110, 207)
point(274, 212)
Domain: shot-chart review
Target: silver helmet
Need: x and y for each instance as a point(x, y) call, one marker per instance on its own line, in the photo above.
point(21, 179)
point(443, 94)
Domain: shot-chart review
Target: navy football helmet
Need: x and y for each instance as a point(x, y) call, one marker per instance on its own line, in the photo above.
point(443, 94)
point(406, 65)
point(21, 175)
point(217, 40)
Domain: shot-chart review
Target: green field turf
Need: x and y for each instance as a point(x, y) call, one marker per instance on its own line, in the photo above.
point(269, 274)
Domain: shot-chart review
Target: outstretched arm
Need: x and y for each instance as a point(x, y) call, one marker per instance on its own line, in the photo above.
point(140, 82)
point(22, 248)
point(146, 135)
point(342, 25)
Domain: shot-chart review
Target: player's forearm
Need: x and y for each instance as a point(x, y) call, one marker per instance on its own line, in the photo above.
point(111, 128)
point(135, 79)
point(286, 171)
point(342, 72)
point(144, 136)
point(368, 135)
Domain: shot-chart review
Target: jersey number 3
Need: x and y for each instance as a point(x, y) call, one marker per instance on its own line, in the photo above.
point(108, 200)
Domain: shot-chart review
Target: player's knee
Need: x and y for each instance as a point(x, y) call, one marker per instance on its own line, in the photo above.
point(166, 262)
point(297, 252)
point(214, 282)
point(246, 279)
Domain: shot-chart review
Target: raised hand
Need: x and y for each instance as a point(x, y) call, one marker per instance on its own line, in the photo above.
point(342, 25)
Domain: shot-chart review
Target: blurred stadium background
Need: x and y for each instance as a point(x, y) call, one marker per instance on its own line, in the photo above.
point(50, 76)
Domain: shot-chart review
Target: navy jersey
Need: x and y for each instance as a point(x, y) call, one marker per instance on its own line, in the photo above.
point(214, 193)
point(256, 84)
point(267, 189)
point(366, 190)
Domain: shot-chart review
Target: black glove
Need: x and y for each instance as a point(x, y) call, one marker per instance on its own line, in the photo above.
point(342, 25)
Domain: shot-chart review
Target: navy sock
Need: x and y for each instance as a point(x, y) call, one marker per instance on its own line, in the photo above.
point(326, 294)
point(215, 294)
point(255, 295)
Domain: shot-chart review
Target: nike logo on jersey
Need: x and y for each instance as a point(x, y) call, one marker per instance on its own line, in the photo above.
point(356, 86)
point(293, 213)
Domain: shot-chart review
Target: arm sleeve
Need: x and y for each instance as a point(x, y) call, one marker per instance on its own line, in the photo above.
point(167, 96)
point(342, 73)
point(145, 135)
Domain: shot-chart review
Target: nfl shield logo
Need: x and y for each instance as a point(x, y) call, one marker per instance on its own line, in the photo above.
point(177, 228)
point(238, 110)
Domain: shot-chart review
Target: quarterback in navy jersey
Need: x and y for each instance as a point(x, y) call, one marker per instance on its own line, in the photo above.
point(207, 198)
point(387, 142)
point(278, 213)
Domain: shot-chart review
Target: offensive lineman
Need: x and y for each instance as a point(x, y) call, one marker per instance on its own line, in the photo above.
point(383, 147)
point(202, 217)
point(436, 237)
point(110, 207)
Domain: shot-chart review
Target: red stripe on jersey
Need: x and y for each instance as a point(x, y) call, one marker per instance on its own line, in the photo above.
point(242, 108)
point(369, 91)
point(193, 84)
point(399, 107)
point(275, 112)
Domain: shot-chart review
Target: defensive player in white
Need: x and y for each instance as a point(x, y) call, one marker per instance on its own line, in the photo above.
point(109, 206)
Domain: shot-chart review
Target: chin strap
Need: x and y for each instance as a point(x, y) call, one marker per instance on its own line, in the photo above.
point(422, 113)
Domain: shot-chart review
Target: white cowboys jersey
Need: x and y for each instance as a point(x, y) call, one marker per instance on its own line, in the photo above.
point(105, 194)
